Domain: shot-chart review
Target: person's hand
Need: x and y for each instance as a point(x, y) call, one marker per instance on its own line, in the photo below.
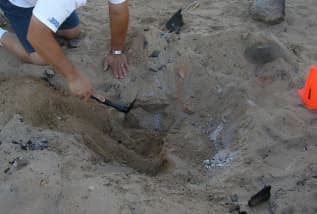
point(118, 65)
point(80, 87)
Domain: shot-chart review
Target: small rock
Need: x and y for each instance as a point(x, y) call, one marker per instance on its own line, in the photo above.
point(44, 182)
point(49, 73)
point(6, 170)
point(17, 163)
point(188, 110)
point(153, 69)
point(73, 43)
point(262, 48)
point(35, 144)
point(15, 142)
point(20, 163)
point(268, 11)
point(234, 198)
point(260, 197)
point(91, 188)
point(155, 53)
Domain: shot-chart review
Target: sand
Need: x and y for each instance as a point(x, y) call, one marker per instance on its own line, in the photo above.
point(214, 119)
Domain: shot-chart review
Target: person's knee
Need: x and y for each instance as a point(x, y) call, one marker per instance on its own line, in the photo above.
point(70, 33)
point(35, 58)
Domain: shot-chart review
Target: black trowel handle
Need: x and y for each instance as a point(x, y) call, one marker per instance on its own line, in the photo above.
point(117, 106)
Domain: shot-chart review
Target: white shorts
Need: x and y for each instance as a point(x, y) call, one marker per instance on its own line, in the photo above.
point(53, 13)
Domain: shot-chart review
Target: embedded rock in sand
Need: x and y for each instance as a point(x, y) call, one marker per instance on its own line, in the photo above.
point(265, 48)
point(268, 11)
point(154, 121)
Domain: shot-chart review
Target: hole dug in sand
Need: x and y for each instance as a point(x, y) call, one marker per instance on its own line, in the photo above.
point(101, 128)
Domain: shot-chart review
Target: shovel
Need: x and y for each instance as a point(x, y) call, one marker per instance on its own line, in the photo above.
point(175, 23)
point(118, 106)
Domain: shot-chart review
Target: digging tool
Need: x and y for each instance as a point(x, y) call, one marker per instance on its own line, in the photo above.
point(175, 23)
point(118, 106)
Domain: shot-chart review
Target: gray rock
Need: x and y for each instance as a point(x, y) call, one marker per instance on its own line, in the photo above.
point(154, 121)
point(268, 11)
point(264, 48)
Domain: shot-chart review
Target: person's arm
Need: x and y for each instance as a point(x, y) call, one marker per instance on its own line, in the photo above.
point(119, 21)
point(43, 41)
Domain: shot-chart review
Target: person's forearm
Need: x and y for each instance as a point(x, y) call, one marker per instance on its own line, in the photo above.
point(119, 21)
point(44, 43)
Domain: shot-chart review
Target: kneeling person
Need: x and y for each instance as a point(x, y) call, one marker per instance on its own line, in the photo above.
point(35, 21)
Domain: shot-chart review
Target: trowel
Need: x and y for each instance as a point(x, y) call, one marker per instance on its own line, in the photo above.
point(175, 23)
point(118, 106)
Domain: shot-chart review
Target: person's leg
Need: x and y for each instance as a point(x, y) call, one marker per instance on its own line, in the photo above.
point(18, 44)
point(19, 19)
point(69, 33)
point(70, 28)
point(11, 42)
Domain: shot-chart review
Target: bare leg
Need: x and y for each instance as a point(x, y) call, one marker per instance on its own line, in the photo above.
point(12, 43)
point(69, 33)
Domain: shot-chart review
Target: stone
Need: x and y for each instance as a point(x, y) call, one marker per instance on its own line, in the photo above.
point(20, 163)
point(268, 11)
point(35, 144)
point(262, 48)
point(155, 53)
point(91, 188)
point(154, 121)
point(73, 43)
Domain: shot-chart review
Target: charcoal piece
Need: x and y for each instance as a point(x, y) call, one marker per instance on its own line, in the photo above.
point(37, 145)
point(155, 53)
point(15, 142)
point(23, 146)
point(6, 170)
point(175, 23)
point(260, 197)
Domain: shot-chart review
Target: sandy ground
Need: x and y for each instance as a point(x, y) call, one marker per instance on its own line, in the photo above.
point(212, 123)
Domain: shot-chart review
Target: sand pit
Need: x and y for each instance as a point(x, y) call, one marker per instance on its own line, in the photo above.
point(43, 107)
point(216, 118)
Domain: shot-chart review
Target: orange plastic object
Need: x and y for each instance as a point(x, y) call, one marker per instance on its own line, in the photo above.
point(309, 92)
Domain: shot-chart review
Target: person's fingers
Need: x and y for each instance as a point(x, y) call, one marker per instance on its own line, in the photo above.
point(123, 70)
point(107, 63)
point(118, 70)
point(126, 65)
point(86, 97)
point(88, 94)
